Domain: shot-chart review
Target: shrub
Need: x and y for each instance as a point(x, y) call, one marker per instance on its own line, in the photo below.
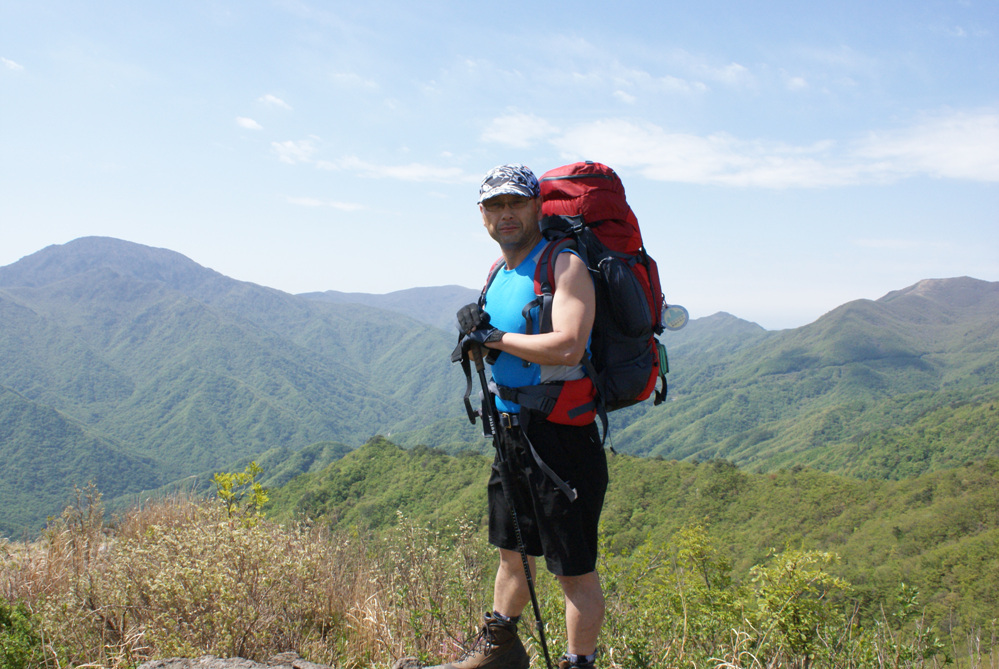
point(670, 601)
point(20, 643)
point(241, 494)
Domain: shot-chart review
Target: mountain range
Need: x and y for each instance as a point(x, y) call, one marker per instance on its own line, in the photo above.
point(759, 397)
point(133, 366)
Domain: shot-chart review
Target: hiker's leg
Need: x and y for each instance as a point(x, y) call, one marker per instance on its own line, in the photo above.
point(510, 592)
point(584, 611)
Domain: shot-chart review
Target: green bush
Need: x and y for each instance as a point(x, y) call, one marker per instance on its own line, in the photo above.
point(241, 494)
point(20, 643)
point(795, 604)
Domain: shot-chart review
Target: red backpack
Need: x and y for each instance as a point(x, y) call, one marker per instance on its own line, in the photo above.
point(584, 208)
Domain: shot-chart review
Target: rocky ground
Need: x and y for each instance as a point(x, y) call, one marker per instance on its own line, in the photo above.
point(281, 661)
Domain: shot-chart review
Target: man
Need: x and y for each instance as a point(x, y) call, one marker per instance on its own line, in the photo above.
point(541, 454)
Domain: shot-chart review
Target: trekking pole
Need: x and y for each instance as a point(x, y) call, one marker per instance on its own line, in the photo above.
point(489, 405)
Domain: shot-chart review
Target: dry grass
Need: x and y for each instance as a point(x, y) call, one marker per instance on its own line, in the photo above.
point(180, 579)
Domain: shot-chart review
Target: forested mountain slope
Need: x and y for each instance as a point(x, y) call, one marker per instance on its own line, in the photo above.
point(171, 368)
point(433, 306)
point(766, 398)
point(159, 369)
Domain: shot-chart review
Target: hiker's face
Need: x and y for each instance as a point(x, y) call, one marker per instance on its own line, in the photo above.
point(512, 220)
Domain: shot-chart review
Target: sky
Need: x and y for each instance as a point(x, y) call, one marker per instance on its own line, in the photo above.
point(783, 158)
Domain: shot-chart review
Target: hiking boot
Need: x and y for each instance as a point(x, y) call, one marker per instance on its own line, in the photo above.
point(497, 646)
point(565, 663)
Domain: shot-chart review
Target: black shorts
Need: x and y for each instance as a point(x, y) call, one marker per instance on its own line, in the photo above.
point(564, 532)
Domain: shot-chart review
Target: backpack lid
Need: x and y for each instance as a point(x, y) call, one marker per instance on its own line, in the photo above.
point(589, 189)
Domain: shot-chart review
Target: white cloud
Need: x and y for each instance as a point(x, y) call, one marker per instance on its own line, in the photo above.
point(274, 101)
point(351, 80)
point(894, 244)
point(248, 123)
point(294, 152)
point(11, 65)
point(732, 74)
point(796, 83)
point(666, 83)
point(678, 70)
point(419, 172)
point(626, 98)
point(957, 145)
point(714, 159)
point(518, 130)
point(316, 202)
point(841, 58)
point(305, 152)
point(676, 85)
point(603, 74)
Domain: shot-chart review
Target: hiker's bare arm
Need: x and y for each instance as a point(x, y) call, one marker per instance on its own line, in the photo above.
point(573, 309)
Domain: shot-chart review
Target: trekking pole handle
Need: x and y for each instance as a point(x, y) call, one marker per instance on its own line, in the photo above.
point(487, 398)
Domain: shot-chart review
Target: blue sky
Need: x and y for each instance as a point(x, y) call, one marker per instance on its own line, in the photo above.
point(783, 157)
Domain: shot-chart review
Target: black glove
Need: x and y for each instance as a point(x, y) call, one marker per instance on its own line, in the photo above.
point(471, 317)
point(482, 336)
point(477, 338)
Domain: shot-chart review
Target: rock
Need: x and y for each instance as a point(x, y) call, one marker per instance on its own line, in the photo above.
point(203, 662)
point(407, 663)
point(289, 660)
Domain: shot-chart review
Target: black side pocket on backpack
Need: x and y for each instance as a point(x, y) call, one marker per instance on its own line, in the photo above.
point(628, 303)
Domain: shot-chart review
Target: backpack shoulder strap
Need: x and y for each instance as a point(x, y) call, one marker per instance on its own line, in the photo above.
point(493, 271)
point(544, 278)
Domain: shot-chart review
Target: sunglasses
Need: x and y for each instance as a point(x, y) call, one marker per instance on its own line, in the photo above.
point(499, 204)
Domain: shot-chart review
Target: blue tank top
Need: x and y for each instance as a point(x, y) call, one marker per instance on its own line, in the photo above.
point(510, 291)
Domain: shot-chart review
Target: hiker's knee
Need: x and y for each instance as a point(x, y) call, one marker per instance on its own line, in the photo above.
point(584, 590)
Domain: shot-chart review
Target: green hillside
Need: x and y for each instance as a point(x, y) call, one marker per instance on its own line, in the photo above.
point(178, 371)
point(279, 465)
point(45, 453)
point(764, 399)
point(181, 370)
point(370, 485)
point(938, 532)
point(901, 437)
point(433, 306)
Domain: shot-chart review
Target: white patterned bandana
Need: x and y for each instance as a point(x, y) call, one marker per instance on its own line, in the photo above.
point(509, 180)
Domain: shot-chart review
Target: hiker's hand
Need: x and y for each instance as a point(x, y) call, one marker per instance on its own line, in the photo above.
point(481, 337)
point(472, 317)
point(469, 345)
